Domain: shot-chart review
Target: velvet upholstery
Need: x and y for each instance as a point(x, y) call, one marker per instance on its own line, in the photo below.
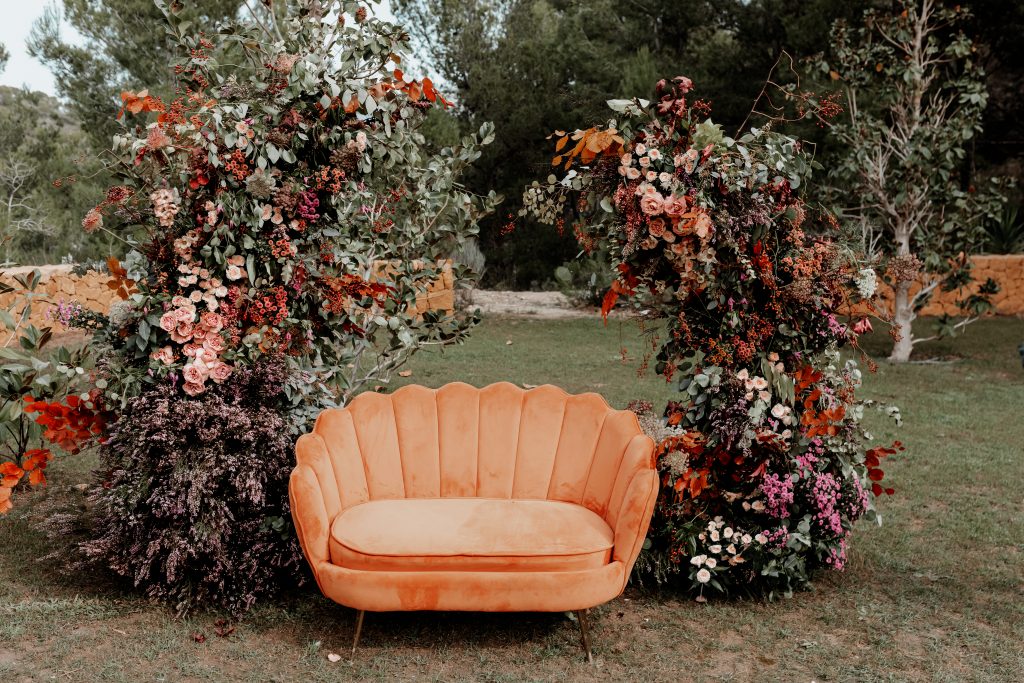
point(458, 498)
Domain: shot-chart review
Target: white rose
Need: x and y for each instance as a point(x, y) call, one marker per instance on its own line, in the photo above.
point(711, 563)
point(715, 549)
point(698, 560)
point(728, 532)
point(703, 576)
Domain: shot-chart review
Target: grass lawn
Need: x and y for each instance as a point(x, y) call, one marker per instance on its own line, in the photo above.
point(936, 594)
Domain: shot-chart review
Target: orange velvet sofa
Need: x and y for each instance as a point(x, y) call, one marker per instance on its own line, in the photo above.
point(496, 499)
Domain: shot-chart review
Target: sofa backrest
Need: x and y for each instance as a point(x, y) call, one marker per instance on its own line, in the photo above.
point(500, 441)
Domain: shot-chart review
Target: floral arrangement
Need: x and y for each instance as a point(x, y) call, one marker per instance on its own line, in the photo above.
point(258, 205)
point(281, 211)
point(765, 467)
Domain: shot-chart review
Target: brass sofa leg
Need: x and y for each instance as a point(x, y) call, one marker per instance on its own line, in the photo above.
point(581, 616)
point(359, 630)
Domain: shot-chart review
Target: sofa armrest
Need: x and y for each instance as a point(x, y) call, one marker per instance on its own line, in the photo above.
point(310, 516)
point(633, 498)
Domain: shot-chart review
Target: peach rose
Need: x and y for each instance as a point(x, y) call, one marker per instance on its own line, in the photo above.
point(220, 372)
point(234, 273)
point(652, 203)
point(182, 333)
point(191, 350)
point(702, 226)
point(193, 389)
point(168, 321)
point(236, 260)
point(656, 226)
point(669, 236)
point(632, 173)
point(214, 344)
point(214, 321)
point(194, 373)
point(675, 206)
point(164, 355)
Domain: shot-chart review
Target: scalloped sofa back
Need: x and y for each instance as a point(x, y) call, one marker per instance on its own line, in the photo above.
point(459, 498)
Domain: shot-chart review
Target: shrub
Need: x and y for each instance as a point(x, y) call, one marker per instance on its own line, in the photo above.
point(193, 503)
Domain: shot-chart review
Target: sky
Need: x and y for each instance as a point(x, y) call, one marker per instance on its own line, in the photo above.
point(17, 17)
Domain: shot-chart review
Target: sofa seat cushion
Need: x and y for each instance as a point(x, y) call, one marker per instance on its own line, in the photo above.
point(469, 534)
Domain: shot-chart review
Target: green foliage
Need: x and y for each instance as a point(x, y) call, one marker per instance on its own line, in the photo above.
point(29, 373)
point(915, 95)
point(45, 181)
point(585, 280)
point(125, 48)
point(1005, 232)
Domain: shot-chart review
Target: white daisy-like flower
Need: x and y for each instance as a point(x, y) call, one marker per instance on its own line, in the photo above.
point(703, 576)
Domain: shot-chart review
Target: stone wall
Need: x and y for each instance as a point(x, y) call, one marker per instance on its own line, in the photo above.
point(58, 284)
point(1007, 270)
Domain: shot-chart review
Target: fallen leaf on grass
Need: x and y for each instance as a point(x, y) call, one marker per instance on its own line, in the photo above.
point(222, 628)
point(199, 637)
point(405, 373)
point(529, 386)
point(508, 343)
point(332, 657)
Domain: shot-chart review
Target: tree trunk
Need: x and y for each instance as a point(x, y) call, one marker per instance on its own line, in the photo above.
point(903, 317)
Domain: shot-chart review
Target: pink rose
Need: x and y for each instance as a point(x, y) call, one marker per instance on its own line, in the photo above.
point(191, 350)
point(675, 206)
point(193, 389)
point(651, 203)
point(632, 173)
point(214, 321)
point(234, 273)
point(214, 343)
point(194, 373)
point(220, 372)
point(187, 314)
point(164, 355)
point(199, 334)
point(168, 321)
point(182, 333)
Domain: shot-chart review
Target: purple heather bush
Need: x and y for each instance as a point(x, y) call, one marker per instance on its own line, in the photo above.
point(192, 493)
